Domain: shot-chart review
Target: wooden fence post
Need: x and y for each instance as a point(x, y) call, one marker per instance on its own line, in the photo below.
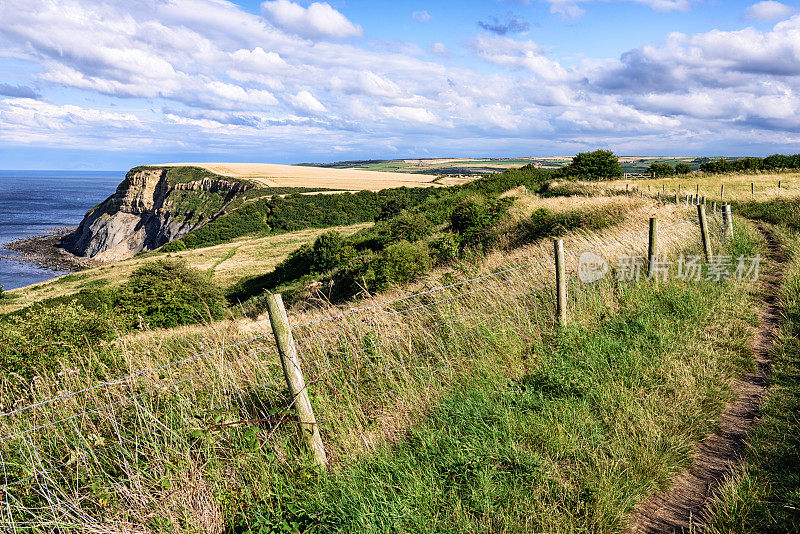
point(294, 377)
point(561, 282)
point(722, 193)
point(701, 212)
point(728, 217)
point(652, 247)
point(752, 188)
point(676, 197)
point(779, 184)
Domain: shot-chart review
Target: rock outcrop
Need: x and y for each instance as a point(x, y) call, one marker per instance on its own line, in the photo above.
point(147, 211)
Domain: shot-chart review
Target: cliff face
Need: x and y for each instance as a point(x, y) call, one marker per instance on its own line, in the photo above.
point(147, 211)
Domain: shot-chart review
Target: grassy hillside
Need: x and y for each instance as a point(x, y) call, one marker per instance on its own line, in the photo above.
point(465, 409)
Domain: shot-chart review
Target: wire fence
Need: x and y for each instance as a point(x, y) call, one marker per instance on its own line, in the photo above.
point(62, 454)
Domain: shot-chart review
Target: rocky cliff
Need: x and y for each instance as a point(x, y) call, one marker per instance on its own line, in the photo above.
point(149, 208)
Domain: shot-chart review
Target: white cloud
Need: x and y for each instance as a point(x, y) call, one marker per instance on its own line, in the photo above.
point(570, 9)
point(177, 72)
point(509, 52)
point(421, 16)
point(769, 11)
point(236, 93)
point(319, 20)
point(305, 101)
point(439, 49)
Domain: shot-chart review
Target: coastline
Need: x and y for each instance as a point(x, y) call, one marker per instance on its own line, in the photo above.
point(44, 250)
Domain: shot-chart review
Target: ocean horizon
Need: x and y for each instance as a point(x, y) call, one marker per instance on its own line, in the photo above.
point(34, 202)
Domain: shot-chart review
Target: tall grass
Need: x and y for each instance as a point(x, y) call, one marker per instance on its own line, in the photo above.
point(461, 408)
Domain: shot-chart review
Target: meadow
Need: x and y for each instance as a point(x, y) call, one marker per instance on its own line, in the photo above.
point(449, 400)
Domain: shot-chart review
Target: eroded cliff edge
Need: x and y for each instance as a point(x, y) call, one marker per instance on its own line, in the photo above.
point(152, 206)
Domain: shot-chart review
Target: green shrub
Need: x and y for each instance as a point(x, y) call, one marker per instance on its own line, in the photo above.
point(401, 262)
point(45, 337)
point(174, 246)
point(474, 218)
point(595, 165)
point(409, 227)
point(2, 291)
point(167, 293)
point(445, 247)
point(658, 168)
point(544, 223)
point(683, 168)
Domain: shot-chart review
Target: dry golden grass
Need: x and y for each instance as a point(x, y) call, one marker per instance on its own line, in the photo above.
point(272, 175)
point(374, 371)
point(737, 186)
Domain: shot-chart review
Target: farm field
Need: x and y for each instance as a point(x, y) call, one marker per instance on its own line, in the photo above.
point(272, 175)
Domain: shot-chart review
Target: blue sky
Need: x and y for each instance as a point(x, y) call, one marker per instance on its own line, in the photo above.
point(92, 84)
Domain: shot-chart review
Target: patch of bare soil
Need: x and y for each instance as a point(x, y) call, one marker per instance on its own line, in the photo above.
point(683, 507)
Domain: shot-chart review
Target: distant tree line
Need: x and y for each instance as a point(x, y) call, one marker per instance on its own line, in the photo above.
point(774, 162)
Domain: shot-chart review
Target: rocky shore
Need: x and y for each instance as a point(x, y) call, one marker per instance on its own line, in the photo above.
point(45, 251)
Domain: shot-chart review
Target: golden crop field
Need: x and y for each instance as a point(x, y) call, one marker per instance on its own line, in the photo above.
point(273, 175)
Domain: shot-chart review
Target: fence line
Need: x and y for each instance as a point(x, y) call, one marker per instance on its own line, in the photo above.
point(532, 302)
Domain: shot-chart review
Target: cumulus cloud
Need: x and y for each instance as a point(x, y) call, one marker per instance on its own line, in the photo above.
point(319, 20)
point(207, 76)
point(21, 91)
point(526, 55)
point(305, 101)
point(421, 16)
point(769, 11)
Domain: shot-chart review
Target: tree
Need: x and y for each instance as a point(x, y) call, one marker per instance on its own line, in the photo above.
point(658, 168)
point(683, 168)
point(595, 165)
point(2, 290)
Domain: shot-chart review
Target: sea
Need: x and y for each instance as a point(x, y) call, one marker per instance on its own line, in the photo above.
point(33, 202)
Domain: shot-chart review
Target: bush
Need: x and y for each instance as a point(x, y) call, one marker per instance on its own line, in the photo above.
point(683, 168)
point(44, 337)
point(474, 218)
point(595, 165)
point(409, 227)
point(167, 293)
point(2, 290)
point(402, 262)
point(658, 168)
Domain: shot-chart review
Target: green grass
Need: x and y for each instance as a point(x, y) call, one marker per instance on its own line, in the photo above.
point(491, 419)
point(565, 433)
point(764, 494)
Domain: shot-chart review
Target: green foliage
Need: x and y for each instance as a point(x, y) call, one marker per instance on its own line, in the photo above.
point(2, 291)
point(43, 338)
point(167, 293)
point(474, 218)
point(683, 168)
point(597, 165)
point(545, 223)
point(775, 162)
point(402, 262)
point(409, 227)
point(659, 168)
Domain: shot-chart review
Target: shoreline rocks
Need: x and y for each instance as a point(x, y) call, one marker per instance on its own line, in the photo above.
point(45, 251)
